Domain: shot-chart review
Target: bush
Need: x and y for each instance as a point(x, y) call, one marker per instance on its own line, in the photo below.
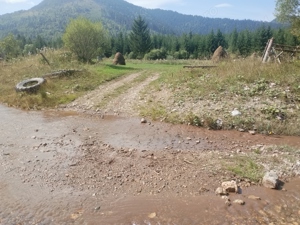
point(182, 54)
point(132, 55)
point(85, 39)
point(156, 54)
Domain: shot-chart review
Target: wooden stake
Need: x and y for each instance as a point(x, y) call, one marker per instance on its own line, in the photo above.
point(267, 51)
point(45, 58)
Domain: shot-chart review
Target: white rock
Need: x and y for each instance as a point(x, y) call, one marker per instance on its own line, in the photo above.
point(253, 132)
point(221, 191)
point(143, 120)
point(239, 201)
point(270, 180)
point(236, 112)
point(230, 186)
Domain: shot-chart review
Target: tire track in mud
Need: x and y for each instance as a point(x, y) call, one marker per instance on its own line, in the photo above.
point(127, 102)
point(94, 98)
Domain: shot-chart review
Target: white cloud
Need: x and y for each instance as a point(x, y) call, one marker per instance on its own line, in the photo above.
point(152, 3)
point(13, 1)
point(223, 5)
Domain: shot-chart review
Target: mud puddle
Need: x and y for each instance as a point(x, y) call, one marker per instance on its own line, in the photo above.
point(273, 208)
point(66, 168)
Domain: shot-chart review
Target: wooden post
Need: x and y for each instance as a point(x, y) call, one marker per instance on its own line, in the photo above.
point(267, 51)
point(45, 58)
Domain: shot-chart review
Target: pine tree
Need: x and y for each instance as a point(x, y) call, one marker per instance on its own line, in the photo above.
point(39, 42)
point(261, 37)
point(202, 50)
point(211, 44)
point(175, 45)
point(220, 39)
point(241, 44)
point(279, 36)
point(119, 43)
point(233, 41)
point(140, 40)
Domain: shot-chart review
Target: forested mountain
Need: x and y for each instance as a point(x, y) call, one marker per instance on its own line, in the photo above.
point(50, 17)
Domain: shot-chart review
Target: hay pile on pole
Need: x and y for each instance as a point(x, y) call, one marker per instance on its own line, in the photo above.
point(119, 59)
point(218, 54)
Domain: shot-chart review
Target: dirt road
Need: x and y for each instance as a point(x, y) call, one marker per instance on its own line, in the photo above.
point(65, 167)
point(106, 99)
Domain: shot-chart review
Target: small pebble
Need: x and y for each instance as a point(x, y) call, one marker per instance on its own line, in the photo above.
point(238, 201)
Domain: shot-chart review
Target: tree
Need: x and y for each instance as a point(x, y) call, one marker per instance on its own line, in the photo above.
point(10, 47)
point(288, 11)
point(220, 39)
point(261, 37)
point(280, 36)
point(140, 40)
point(244, 44)
point(39, 42)
point(85, 39)
point(211, 43)
point(119, 43)
point(233, 41)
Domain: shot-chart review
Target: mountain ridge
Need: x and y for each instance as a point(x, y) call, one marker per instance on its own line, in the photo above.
point(50, 17)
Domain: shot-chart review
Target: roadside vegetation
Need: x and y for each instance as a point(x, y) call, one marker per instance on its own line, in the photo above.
point(57, 90)
point(239, 93)
point(266, 97)
point(253, 164)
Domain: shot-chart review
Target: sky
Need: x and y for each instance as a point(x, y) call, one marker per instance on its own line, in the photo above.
point(262, 10)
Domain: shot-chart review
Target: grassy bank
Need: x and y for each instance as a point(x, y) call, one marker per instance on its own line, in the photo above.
point(57, 90)
point(266, 96)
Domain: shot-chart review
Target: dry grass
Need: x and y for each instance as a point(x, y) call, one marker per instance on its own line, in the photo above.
point(55, 91)
point(267, 95)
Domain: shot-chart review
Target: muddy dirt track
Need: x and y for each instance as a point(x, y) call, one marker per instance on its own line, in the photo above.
point(67, 168)
point(81, 165)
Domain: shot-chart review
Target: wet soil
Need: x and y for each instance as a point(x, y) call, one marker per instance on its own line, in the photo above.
point(70, 168)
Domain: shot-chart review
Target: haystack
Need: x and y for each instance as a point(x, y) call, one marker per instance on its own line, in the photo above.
point(119, 59)
point(218, 54)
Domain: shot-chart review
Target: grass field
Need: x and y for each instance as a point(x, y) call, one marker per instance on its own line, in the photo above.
point(56, 90)
point(266, 95)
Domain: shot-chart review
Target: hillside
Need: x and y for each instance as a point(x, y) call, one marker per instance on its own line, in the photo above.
point(50, 18)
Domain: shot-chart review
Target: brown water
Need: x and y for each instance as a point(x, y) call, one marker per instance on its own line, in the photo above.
point(39, 152)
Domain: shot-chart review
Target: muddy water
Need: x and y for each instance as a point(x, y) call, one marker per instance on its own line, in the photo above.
point(39, 149)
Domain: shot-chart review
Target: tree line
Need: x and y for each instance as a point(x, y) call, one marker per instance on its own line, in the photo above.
point(88, 40)
point(196, 46)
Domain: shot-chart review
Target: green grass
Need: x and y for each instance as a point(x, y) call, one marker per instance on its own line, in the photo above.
point(268, 95)
point(254, 164)
point(55, 91)
point(245, 167)
point(231, 77)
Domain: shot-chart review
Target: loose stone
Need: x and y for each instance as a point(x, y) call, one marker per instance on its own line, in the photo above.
point(239, 201)
point(230, 186)
point(270, 180)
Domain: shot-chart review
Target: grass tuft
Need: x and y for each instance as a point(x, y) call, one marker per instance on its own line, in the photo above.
point(245, 167)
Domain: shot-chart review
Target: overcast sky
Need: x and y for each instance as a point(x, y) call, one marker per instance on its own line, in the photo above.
point(234, 9)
